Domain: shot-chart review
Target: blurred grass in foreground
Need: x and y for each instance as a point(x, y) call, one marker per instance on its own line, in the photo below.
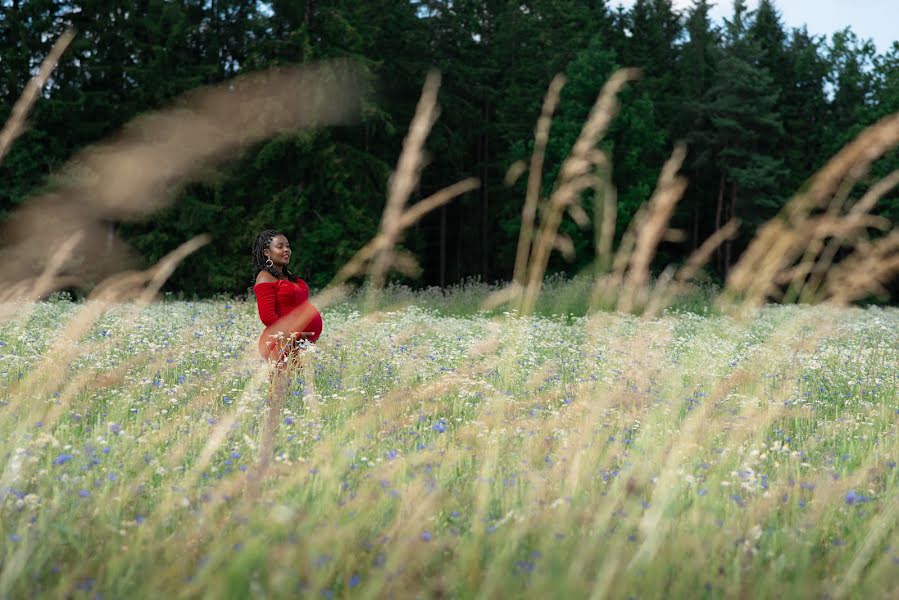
point(427, 454)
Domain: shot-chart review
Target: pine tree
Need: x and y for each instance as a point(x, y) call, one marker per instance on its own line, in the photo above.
point(743, 115)
point(697, 69)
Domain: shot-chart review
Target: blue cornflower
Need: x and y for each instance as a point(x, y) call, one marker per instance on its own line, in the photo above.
point(115, 428)
point(235, 455)
point(426, 536)
point(15, 537)
point(392, 454)
point(439, 426)
point(524, 565)
point(62, 459)
point(288, 421)
point(354, 581)
point(84, 493)
point(853, 497)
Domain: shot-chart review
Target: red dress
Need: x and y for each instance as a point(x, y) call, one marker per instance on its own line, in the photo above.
point(284, 308)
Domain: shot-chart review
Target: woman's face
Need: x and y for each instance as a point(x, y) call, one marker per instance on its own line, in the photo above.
point(279, 251)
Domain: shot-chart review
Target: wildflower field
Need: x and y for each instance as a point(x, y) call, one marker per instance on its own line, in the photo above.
point(430, 450)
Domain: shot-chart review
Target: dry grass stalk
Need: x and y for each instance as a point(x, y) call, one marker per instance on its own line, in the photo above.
point(383, 242)
point(140, 286)
point(15, 125)
point(141, 169)
point(535, 178)
point(858, 213)
point(606, 204)
point(702, 255)
point(650, 226)
point(380, 253)
point(407, 174)
point(783, 240)
point(578, 173)
point(866, 271)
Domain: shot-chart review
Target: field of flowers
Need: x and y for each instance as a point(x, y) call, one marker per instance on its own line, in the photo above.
point(425, 453)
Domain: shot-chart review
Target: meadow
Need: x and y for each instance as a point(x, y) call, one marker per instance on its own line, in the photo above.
point(426, 449)
point(625, 434)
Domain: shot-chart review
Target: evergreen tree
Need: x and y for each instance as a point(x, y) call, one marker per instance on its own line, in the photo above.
point(697, 69)
point(743, 117)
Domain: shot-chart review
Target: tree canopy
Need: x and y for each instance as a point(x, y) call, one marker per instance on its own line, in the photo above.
point(759, 104)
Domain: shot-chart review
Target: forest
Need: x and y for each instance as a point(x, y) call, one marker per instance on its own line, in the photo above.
point(759, 104)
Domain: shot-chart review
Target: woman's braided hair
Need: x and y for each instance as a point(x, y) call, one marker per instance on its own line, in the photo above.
point(263, 241)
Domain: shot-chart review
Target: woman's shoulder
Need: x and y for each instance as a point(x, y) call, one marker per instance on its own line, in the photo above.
point(266, 277)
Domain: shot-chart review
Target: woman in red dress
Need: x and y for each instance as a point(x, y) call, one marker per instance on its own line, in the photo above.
point(282, 299)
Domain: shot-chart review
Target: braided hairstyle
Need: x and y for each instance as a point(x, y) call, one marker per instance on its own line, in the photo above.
point(263, 241)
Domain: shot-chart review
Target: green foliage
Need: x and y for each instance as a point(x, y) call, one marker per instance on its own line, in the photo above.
point(761, 107)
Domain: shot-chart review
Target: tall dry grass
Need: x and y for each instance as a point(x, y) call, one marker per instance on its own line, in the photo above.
point(503, 456)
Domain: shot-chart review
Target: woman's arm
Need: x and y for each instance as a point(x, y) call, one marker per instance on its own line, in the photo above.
point(266, 302)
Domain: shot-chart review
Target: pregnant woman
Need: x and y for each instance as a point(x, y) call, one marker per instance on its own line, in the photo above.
point(282, 299)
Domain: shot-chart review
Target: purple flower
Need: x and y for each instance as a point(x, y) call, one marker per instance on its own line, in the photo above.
point(115, 428)
point(852, 497)
point(524, 565)
point(62, 459)
point(439, 426)
point(15, 537)
point(84, 493)
point(288, 420)
point(235, 455)
point(392, 454)
point(355, 580)
point(426, 536)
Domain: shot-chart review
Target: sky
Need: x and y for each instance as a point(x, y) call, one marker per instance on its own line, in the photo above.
point(874, 19)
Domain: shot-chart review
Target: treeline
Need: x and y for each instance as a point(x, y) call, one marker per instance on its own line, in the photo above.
point(760, 105)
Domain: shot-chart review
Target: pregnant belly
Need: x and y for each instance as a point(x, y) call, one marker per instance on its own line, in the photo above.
point(303, 322)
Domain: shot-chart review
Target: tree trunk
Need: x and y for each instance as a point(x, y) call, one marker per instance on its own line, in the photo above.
point(485, 220)
point(718, 212)
point(728, 245)
point(443, 246)
point(696, 225)
point(459, 244)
